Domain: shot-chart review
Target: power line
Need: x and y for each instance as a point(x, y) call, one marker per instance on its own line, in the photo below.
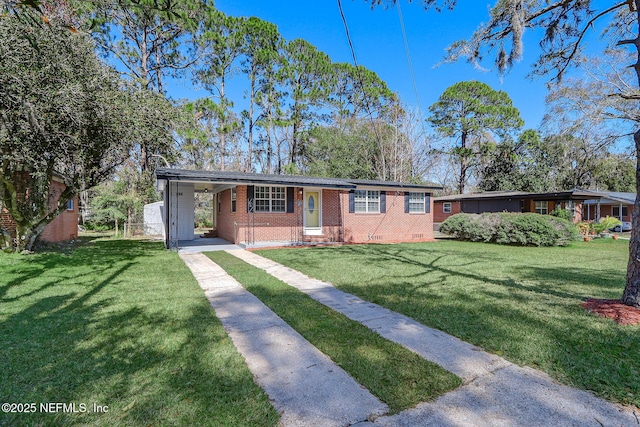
point(406, 47)
point(346, 29)
point(359, 79)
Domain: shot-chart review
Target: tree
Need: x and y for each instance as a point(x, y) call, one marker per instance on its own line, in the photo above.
point(565, 24)
point(615, 172)
point(260, 49)
point(221, 44)
point(347, 151)
point(63, 113)
point(466, 111)
point(304, 73)
point(150, 39)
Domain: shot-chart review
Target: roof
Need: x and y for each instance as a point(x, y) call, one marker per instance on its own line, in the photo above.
point(552, 195)
point(613, 197)
point(171, 174)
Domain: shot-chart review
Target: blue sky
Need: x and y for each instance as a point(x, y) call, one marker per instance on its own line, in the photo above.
point(378, 43)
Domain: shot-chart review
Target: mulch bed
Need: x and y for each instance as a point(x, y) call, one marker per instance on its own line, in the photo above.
point(613, 309)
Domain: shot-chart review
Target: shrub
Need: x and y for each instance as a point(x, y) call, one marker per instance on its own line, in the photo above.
point(562, 213)
point(526, 229)
point(458, 226)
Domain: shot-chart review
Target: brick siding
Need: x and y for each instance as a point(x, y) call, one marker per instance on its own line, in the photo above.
point(439, 215)
point(338, 224)
point(63, 227)
point(590, 212)
point(529, 206)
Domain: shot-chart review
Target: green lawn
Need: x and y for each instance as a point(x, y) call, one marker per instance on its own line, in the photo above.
point(122, 324)
point(522, 303)
point(397, 376)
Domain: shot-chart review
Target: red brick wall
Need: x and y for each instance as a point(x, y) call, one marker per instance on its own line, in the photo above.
point(277, 226)
point(337, 223)
point(393, 226)
point(577, 216)
point(438, 213)
point(226, 218)
point(6, 222)
point(604, 211)
point(63, 227)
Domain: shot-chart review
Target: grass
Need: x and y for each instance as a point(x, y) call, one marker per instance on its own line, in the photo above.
point(522, 303)
point(397, 376)
point(124, 324)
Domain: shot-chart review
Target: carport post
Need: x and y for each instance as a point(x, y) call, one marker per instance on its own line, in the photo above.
point(620, 212)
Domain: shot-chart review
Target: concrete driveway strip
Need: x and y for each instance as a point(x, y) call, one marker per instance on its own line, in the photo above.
point(303, 384)
point(496, 393)
point(456, 356)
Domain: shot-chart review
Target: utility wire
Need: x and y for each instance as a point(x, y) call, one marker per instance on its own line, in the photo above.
point(406, 48)
point(364, 93)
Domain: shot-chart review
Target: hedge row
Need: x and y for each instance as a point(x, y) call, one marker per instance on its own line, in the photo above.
point(525, 229)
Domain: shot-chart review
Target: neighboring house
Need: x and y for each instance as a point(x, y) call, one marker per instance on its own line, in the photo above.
point(63, 227)
point(285, 209)
point(512, 201)
point(618, 205)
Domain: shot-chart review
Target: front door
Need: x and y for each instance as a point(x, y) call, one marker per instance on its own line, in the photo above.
point(312, 209)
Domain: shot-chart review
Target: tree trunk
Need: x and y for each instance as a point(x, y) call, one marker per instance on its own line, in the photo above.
point(631, 295)
point(27, 236)
point(252, 94)
point(463, 164)
point(222, 125)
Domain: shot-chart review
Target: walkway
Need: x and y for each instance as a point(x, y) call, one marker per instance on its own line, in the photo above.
point(496, 392)
point(303, 384)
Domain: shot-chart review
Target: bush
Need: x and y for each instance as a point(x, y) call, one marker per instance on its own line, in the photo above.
point(562, 213)
point(526, 229)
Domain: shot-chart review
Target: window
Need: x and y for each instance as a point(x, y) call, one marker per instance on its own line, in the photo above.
point(416, 203)
point(446, 207)
point(542, 208)
point(615, 211)
point(270, 199)
point(234, 195)
point(367, 201)
point(70, 205)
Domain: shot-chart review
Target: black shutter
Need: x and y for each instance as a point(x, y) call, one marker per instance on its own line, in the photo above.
point(383, 202)
point(427, 203)
point(290, 200)
point(406, 202)
point(352, 201)
point(250, 201)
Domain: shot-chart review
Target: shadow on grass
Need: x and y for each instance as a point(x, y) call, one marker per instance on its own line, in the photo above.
point(448, 263)
point(88, 328)
point(528, 312)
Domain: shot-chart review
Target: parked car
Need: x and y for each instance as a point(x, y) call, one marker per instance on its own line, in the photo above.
point(625, 226)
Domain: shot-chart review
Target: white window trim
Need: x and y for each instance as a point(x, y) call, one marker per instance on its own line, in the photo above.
point(70, 205)
point(271, 199)
point(546, 207)
point(234, 199)
point(366, 201)
point(446, 207)
point(423, 203)
point(617, 207)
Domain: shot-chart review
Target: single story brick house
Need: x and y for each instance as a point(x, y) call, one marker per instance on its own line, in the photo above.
point(616, 204)
point(63, 227)
point(512, 201)
point(285, 209)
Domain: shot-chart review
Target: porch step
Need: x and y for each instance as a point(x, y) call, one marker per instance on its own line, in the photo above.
point(316, 238)
point(210, 234)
